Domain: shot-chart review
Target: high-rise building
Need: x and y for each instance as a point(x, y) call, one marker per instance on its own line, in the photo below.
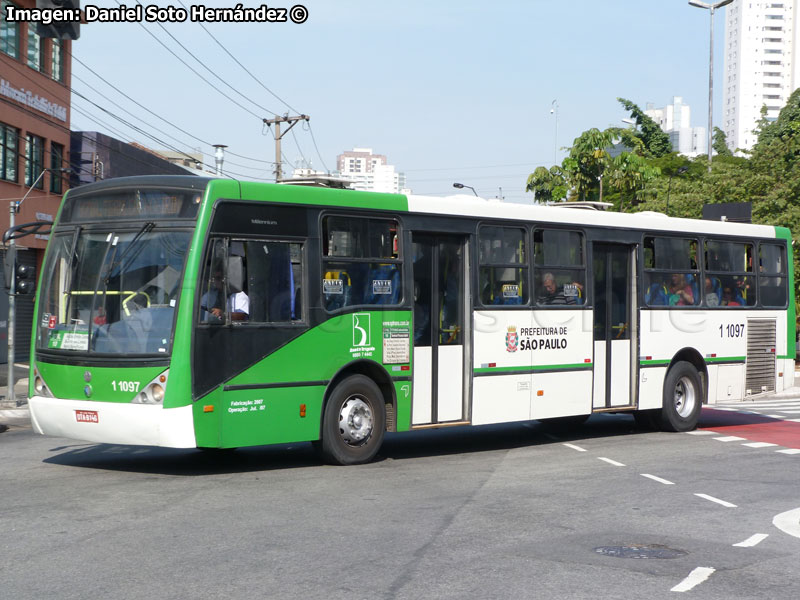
point(370, 172)
point(760, 68)
point(676, 120)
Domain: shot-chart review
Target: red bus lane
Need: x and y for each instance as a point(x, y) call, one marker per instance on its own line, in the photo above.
point(753, 427)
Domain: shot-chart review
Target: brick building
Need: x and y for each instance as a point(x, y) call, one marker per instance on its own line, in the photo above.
point(34, 136)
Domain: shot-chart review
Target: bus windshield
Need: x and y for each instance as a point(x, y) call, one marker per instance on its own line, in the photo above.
point(111, 292)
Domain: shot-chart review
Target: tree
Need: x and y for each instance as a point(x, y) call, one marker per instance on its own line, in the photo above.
point(655, 141)
point(547, 185)
point(587, 161)
point(630, 172)
point(720, 143)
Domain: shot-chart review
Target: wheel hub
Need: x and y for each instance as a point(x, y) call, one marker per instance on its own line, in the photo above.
point(684, 397)
point(355, 421)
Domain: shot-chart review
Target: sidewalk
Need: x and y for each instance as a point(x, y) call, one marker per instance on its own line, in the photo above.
point(14, 414)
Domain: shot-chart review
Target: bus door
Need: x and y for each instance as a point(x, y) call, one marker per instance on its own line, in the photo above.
point(440, 309)
point(615, 338)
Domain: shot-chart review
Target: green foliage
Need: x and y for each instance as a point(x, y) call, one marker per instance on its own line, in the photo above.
point(720, 143)
point(650, 176)
point(547, 185)
point(654, 140)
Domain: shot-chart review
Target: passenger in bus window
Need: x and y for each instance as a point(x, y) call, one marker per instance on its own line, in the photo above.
point(713, 293)
point(728, 298)
point(680, 292)
point(552, 295)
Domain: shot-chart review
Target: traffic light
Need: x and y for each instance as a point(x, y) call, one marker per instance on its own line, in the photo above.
point(22, 274)
point(68, 27)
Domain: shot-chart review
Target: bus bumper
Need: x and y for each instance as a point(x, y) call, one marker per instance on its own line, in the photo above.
point(112, 423)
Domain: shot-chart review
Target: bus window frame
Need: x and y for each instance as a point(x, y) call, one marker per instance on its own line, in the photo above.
point(527, 265)
point(697, 271)
point(754, 244)
point(229, 238)
point(588, 301)
point(784, 273)
point(400, 261)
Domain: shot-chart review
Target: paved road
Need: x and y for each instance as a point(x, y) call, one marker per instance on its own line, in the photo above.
point(515, 511)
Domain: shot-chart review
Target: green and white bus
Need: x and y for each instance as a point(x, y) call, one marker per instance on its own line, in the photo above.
point(213, 313)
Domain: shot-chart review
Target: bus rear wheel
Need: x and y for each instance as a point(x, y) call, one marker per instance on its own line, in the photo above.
point(354, 422)
point(682, 398)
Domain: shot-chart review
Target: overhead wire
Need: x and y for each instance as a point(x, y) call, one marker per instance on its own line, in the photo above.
point(193, 70)
point(155, 114)
point(245, 69)
point(206, 67)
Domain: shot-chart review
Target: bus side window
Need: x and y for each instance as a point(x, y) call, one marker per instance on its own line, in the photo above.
point(274, 281)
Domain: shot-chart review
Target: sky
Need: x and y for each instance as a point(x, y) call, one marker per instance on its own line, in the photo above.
point(448, 91)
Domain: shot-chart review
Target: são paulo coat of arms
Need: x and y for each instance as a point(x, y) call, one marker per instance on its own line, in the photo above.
point(511, 339)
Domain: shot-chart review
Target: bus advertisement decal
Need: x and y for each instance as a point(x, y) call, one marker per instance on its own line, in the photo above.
point(396, 342)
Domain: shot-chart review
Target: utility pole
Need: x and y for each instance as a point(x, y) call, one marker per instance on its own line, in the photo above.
point(278, 135)
point(11, 249)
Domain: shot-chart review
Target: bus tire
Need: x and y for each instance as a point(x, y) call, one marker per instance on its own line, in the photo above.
point(683, 400)
point(354, 422)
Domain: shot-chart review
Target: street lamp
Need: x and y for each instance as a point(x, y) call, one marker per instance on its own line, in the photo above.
point(681, 171)
point(554, 111)
point(461, 186)
point(711, 7)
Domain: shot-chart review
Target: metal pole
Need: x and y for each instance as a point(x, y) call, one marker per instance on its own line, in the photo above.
point(710, 87)
point(554, 110)
point(278, 168)
point(12, 211)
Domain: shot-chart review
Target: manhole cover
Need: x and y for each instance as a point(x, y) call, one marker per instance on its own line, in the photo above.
point(640, 551)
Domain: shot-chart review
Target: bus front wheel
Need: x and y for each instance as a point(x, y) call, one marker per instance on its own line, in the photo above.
point(353, 423)
point(682, 401)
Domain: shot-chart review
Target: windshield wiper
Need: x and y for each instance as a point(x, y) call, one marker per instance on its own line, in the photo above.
point(147, 227)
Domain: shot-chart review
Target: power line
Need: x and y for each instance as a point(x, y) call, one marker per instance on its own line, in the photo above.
point(245, 69)
point(189, 52)
point(192, 69)
point(311, 131)
point(142, 106)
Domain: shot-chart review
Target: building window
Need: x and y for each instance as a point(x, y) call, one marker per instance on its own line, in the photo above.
point(34, 160)
point(8, 152)
point(57, 60)
point(773, 51)
point(35, 48)
point(9, 33)
point(56, 163)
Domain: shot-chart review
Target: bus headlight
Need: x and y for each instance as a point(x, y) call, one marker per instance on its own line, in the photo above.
point(39, 386)
point(153, 392)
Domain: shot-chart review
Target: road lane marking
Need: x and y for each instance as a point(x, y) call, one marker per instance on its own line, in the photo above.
point(788, 522)
point(774, 416)
point(611, 462)
point(574, 447)
point(752, 540)
point(658, 479)
point(789, 451)
point(702, 432)
point(793, 420)
point(696, 577)
point(729, 438)
point(759, 445)
point(717, 500)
